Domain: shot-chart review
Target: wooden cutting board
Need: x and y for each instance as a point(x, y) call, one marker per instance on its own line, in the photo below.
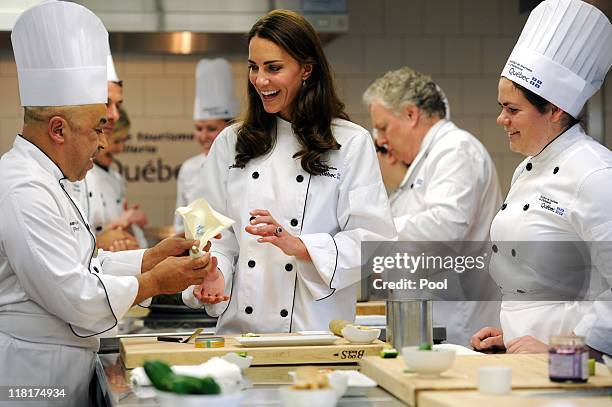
point(528, 372)
point(134, 351)
point(371, 308)
point(522, 398)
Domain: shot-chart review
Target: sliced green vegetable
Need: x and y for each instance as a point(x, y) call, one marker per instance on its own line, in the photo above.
point(163, 378)
point(425, 346)
point(242, 354)
point(388, 353)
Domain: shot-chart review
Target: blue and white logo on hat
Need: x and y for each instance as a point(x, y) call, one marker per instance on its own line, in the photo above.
point(535, 82)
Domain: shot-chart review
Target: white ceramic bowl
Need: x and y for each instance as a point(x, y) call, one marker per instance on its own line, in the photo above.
point(428, 362)
point(360, 335)
point(166, 399)
point(308, 398)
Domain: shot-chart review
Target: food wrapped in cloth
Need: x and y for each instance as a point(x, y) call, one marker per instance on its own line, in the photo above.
point(202, 223)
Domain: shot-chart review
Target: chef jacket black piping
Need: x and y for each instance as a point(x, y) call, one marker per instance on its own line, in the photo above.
point(549, 143)
point(92, 236)
point(556, 137)
point(89, 264)
point(295, 277)
point(332, 278)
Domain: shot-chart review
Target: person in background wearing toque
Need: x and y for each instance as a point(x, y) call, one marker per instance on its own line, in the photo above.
point(562, 191)
point(215, 107)
point(444, 184)
point(302, 184)
point(57, 291)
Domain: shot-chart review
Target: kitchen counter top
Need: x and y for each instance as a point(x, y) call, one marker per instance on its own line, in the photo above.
point(112, 390)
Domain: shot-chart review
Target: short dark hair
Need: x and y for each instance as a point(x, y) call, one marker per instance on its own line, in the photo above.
point(316, 103)
point(543, 105)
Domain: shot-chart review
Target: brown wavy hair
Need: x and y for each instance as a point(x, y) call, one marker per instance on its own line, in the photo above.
point(315, 105)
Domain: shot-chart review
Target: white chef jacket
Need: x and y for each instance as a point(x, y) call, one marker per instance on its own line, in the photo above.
point(562, 194)
point(102, 195)
point(54, 291)
point(187, 179)
point(331, 213)
point(450, 193)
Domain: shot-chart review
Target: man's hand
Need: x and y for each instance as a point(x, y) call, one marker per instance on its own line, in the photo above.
point(173, 275)
point(488, 338)
point(212, 288)
point(271, 231)
point(115, 240)
point(526, 344)
point(171, 246)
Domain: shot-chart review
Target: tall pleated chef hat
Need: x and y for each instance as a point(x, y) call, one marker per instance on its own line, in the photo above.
point(61, 51)
point(111, 73)
point(563, 53)
point(214, 96)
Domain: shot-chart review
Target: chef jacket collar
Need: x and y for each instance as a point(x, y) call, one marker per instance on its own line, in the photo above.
point(28, 148)
point(558, 144)
point(283, 125)
point(428, 141)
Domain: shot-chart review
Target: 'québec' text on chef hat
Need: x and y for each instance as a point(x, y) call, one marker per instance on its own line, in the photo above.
point(214, 96)
point(111, 73)
point(563, 53)
point(61, 51)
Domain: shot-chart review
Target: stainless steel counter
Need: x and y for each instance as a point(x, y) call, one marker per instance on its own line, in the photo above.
point(111, 389)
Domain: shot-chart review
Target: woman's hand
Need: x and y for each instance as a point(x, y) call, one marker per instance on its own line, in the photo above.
point(212, 288)
point(271, 231)
point(527, 344)
point(488, 338)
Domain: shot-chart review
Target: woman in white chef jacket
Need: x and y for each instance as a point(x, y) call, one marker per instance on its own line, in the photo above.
point(215, 107)
point(302, 184)
point(562, 191)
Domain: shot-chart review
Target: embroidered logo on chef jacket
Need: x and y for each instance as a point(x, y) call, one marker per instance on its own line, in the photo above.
point(551, 205)
point(419, 183)
point(75, 226)
point(331, 174)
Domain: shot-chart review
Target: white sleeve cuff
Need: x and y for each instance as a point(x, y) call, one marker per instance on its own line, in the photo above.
point(124, 263)
point(318, 275)
point(121, 291)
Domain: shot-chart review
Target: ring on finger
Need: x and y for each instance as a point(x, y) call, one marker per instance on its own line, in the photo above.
point(278, 231)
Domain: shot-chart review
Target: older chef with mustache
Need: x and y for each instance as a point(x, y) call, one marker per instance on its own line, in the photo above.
point(57, 292)
point(562, 191)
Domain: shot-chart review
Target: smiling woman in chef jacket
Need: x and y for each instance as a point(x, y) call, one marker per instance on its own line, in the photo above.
point(215, 107)
point(303, 185)
point(562, 191)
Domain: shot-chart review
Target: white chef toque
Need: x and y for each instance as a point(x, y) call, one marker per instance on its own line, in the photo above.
point(214, 96)
point(563, 53)
point(111, 73)
point(61, 53)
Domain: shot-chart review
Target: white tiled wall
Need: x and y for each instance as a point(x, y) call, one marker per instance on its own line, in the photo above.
point(462, 44)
